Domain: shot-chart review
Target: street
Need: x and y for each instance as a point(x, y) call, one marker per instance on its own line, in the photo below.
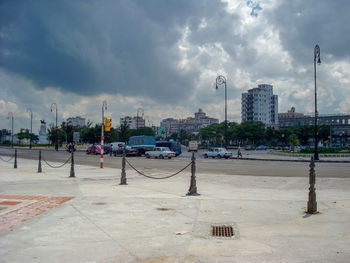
point(208, 166)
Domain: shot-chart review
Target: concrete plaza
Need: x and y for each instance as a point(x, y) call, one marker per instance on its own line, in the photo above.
point(154, 221)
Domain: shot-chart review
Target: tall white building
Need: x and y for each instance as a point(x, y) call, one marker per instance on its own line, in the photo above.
point(259, 104)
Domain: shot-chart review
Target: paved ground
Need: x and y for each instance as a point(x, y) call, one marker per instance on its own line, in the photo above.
point(279, 166)
point(94, 219)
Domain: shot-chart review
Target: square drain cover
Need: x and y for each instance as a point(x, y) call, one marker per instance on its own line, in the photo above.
point(222, 231)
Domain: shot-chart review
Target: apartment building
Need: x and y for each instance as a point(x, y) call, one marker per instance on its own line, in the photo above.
point(260, 104)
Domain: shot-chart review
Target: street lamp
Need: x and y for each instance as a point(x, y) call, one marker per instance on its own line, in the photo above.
point(330, 134)
point(8, 117)
point(222, 80)
point(56, 145)
point(318, 60)
point(31, 127)
point(104, 107)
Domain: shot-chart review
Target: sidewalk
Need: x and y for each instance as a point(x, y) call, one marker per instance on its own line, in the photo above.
point(154, 221)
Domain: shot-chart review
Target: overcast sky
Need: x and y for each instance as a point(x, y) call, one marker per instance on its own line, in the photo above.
point(163, 56)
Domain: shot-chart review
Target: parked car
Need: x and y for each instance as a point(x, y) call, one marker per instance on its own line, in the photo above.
point(117, 147)
point(249, 147)
point(217, 152)
point(129, 151)
point(94, 149)
point(261, 147)
point(160, 152)
point(173, 146)
point(106, 148)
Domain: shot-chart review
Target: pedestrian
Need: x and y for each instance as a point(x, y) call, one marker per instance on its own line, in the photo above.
point(239, 154)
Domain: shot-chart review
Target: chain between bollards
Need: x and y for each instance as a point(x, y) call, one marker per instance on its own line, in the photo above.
point(72, 173)
point(123, 174)
point(312, 204)
point(15, 163)
point(39, 164)
point(193, 186)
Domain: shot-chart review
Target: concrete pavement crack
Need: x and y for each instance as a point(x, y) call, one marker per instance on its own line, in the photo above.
point(103, 231)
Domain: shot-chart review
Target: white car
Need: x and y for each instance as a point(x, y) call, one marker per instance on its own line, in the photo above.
point(161, 153)
point(218, 152)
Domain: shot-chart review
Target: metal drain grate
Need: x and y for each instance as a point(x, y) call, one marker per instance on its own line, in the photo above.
point(222, 231)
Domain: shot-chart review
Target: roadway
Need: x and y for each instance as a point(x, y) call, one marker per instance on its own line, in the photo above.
point(282, 168)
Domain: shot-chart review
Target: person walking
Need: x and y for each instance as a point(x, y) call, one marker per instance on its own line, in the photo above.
point(239, 154)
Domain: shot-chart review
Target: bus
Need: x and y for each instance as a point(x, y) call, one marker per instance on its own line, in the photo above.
point(142, 143)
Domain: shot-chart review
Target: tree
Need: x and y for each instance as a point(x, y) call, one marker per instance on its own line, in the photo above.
point(253, 131)
point(141, 131)
point(91, 134)
point(23, 134)
point(305, 133)
point(124, 130)
point(293, 139)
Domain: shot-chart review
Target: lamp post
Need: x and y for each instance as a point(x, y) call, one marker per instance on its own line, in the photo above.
point(104, 107)
point(222, 80)
point(8, 117)
point(31, 127)
point(318, 60)
point(330, 134)
point(56, 145)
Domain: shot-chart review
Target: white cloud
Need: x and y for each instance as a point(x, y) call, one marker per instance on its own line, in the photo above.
point(165, 59)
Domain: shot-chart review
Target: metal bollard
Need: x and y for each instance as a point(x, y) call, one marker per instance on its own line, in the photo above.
point(39, 165)
point(72, 173)
point(193, 186)
point(15, 164)
point(123, 175)
point(312, 204)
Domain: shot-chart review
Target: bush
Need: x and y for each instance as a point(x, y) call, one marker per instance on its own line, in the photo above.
point(325, 150)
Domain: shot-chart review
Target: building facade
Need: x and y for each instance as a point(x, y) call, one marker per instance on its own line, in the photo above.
point(259, 104)
point(133, 122)
point(190, 124)
point(76, 121)
point(339, 124)
point(171, 126)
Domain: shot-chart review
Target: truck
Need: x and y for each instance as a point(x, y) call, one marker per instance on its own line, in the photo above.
point(192, 146)
point(142, 143)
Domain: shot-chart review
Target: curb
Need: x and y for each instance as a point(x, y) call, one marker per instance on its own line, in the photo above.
point(291, 160)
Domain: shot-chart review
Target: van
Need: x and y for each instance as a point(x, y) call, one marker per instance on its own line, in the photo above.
point(192, 146)
point(173, 146)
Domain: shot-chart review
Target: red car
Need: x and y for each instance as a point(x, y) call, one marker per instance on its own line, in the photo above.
point(94, 149)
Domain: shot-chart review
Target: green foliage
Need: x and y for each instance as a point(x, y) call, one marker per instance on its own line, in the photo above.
point(325, 150)
point(140, 131)
point(254, 132)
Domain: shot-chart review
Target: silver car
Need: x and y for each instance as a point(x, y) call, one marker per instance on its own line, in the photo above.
point(218, 152)
point(161, 153)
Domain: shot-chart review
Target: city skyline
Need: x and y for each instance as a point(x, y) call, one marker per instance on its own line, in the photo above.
point(164, 57)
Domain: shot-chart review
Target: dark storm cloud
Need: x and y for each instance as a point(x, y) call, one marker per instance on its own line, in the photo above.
point(89, 47)
point(302, 24)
